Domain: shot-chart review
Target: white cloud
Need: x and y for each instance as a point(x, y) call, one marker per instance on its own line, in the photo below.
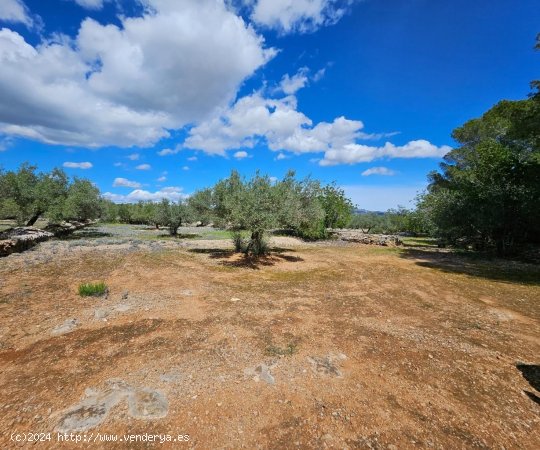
point(281, 156)
point(172, 193)
point(5, 143)
point(192, 158)
point(124, 182)
point(129, 84)
point(169, 151)
point(278, 123)
point(319, 74)
point(90, 4)
point(134, 156)
point(241, 155)
point(185, 168)
point(356, 153)
point(162, 179)
point(289, 85)
point(75, 165)
point(301, 16)
point(15, 11)
point(143, 167)
point(378, 171)
point(382, 198)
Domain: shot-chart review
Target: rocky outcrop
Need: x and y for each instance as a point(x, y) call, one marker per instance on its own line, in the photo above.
point(65, 228)
point(386, 240)
point(16, 240)
point(19, 239)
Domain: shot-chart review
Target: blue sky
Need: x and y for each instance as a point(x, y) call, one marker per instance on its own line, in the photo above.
point(156, 98)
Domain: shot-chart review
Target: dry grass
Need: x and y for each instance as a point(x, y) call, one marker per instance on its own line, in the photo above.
point(431, 343)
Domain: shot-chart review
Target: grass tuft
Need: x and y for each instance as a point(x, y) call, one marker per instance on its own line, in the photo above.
point(92, 289)
point(274, 350)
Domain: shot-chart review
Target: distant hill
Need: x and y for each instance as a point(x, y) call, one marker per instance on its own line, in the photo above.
point(365, 211)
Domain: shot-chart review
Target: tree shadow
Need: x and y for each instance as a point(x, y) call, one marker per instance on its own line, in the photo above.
point(477, 265)
point(531, 372)
point(86, 234)
point(230, 258)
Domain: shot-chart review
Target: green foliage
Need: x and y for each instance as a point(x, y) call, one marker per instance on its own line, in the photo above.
point(172, 215)
point(201, 205)
point(400, 220)
point(488, 190)
point(26, 195)
point(240, 244)
point(258, 205)
point(337, 207)
point(92, 289)
point(83, 201)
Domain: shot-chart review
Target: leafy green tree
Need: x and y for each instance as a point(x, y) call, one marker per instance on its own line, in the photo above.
point(109, 211)
point(173, 215)
point(251, 205)
point(488, 190)
point(337, 207)
point(28, 195)
point(83, 201)
point(201, 204)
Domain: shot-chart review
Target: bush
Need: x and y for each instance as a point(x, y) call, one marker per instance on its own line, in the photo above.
point(239, 242)
point(93, 289)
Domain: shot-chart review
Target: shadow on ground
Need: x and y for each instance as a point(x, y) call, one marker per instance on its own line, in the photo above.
point(531, 372)
point(475, 265)
point(87, 234)
point(229, 258)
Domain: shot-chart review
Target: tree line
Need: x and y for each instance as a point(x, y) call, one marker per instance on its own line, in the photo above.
point(305, 208)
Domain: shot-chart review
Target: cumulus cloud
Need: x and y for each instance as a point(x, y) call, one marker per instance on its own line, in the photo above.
point(169, 151)
point(192, 158)
point(76, 165)
point(127, 84)
point(134, 156)
point(171, 193)
point(185, 168)
point(356, 153)
point(15, 11)
point(241, 155)
point(289, 85)
point(90, 4)
point(301, 16)
point(276, 122)
point(162, 179)
point(124, 182)
point(143, 167)
point(378, 171)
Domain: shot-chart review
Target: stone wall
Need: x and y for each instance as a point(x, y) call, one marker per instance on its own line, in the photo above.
point(387, 240)
point(19, 239)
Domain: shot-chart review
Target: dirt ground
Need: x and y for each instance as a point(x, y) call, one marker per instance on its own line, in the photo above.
point(320, 346)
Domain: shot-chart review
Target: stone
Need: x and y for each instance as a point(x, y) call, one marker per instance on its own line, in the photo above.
point(122, 307)
point(101, 313)
point(142, 403)
point(326, 365)
point(66, 327)
point(261, 373)
point(147, 404)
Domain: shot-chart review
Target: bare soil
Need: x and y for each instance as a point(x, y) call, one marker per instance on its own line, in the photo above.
point(318, 346)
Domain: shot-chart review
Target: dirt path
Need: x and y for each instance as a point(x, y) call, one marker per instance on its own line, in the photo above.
point(317, 347)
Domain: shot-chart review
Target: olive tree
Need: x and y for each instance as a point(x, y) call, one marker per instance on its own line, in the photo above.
point(172, 215)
